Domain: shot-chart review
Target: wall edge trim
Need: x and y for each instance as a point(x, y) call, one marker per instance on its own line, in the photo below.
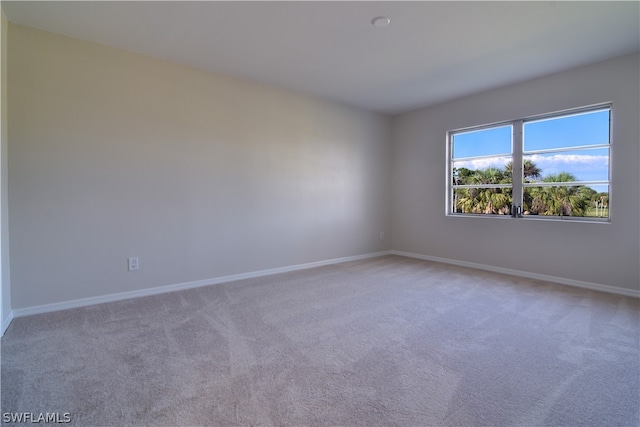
point(6, 322)
point(84, 302)
point(526, 274)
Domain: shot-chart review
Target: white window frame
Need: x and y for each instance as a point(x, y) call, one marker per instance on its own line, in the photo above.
point(518, 155)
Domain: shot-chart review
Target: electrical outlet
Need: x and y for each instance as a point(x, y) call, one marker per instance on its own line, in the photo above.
point(134, 264)
point(382, 235)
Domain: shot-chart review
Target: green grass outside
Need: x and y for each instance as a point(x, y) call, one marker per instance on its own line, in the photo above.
point(602, 212)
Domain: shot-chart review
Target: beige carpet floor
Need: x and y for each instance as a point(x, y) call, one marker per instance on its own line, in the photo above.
point(388, 341)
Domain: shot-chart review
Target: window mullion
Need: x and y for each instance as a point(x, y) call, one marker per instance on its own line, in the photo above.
point(517, 167)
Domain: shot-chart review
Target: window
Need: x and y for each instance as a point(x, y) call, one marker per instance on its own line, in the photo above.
point(552, 166)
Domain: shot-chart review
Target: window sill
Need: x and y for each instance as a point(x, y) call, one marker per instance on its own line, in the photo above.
point(534, 218)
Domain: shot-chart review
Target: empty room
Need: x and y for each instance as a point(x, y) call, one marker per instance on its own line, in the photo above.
point(320, 213)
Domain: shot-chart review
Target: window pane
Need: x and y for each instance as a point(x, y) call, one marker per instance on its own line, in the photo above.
point(575, 201)
point(578, 165)
point(484, 142)
point(482, 201)
point(569, 131)
point(486, 170)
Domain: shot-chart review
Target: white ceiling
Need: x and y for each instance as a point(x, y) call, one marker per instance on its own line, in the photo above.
point(431, 52)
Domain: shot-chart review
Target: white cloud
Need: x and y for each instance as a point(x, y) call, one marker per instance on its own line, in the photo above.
point(569, 159)
point(580, 164)
point(583, 166)
point(499, 162)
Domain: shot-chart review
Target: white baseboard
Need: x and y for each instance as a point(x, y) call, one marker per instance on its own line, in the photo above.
point(512, 272)
point(83, 302)
point(6, 322)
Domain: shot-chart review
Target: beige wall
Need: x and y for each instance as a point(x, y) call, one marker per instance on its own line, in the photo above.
point(605, 254)
point(115, 154)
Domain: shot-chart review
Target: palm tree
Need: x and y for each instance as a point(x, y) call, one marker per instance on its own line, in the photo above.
point(561, 200)
point(600, 202)
point(484, 200)
point(530, 169)
point(462, 175)
point(466, 200)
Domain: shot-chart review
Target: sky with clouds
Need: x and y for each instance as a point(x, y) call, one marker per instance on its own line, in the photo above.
point(568, 132)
